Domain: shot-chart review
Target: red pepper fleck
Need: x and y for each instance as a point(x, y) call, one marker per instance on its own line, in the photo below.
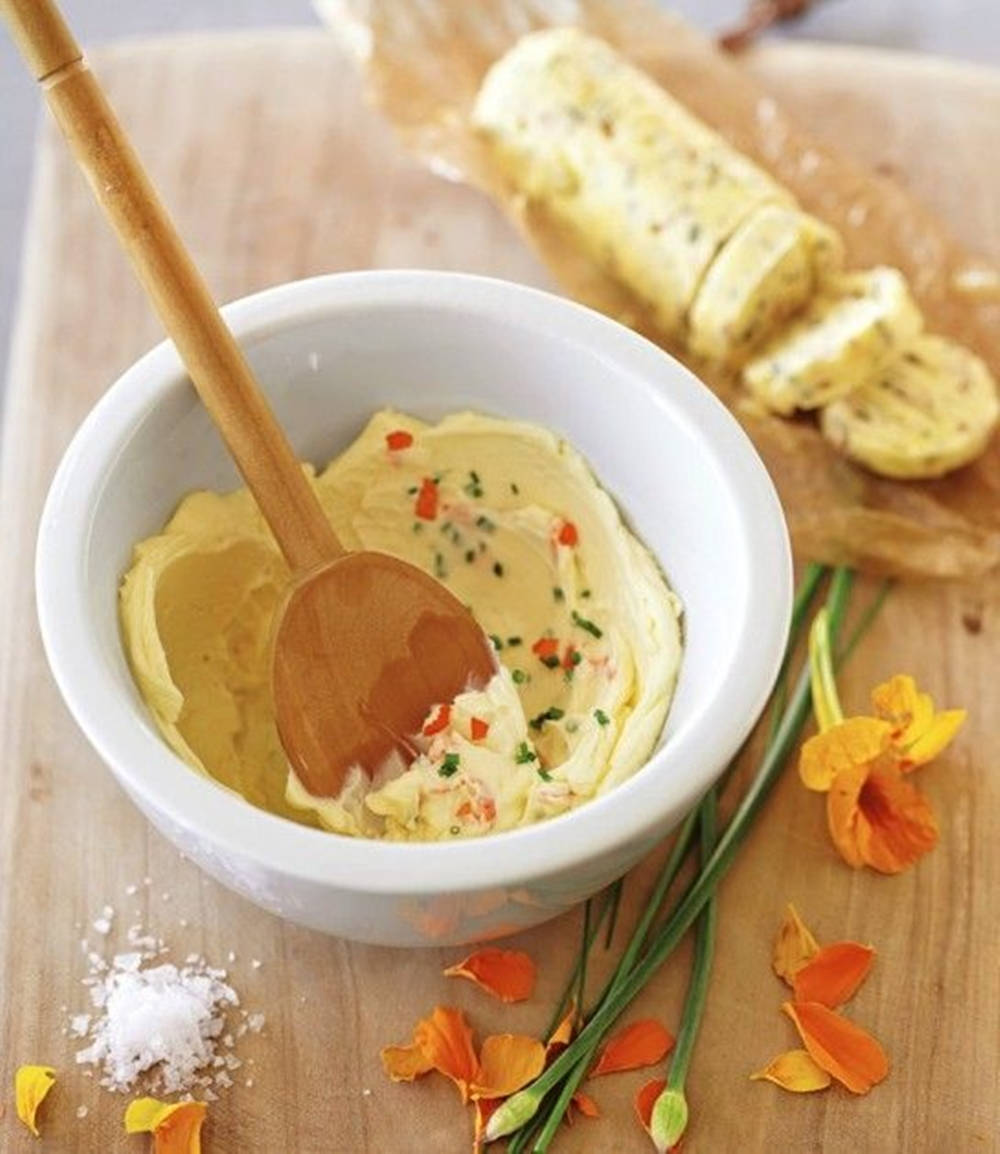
point(568, 534)
point(545, 647)
point(400, 439)
point(489, 809)
point(479, 728)
point(438, 722)
point(570, 659)
point(426, 506)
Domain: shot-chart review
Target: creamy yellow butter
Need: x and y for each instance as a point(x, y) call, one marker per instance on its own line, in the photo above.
point(586, 630)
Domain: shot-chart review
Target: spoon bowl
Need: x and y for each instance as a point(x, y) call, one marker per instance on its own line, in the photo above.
point(364, 647)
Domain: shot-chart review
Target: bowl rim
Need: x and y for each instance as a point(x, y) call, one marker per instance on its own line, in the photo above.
point(632, 811)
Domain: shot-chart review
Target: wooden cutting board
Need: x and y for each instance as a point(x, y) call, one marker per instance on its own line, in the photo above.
point(276, 170)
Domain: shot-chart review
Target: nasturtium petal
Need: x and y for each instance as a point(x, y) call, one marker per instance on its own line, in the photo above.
point(794, 945)
point(405, 1063)
point(878, 818)
point(843, 1049)
point(483, 1111)
point(507, 1062)
point(854, 742)
point(645, 1099)
point(31, 1085)
point(642, 1043)
point(586, 1105)
point(175, 1126)
point(562, 1035)
point(446, 1040)
point(918, 732)
point(794, 1070)
point(506, 974)
point(833, 975)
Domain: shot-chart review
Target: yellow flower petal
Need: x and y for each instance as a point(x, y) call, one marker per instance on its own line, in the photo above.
point(793, 946)
point(917, 731)
point(176, 1127)
point(794, 1070)
point(31, 1084)
point(852, 743)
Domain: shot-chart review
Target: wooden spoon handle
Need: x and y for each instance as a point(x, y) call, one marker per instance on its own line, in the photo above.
point(179, 294)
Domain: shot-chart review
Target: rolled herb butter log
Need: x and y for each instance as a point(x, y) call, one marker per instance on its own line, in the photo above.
point(711, 242)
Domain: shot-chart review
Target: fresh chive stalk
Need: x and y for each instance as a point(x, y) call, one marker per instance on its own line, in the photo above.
point(520, 1108)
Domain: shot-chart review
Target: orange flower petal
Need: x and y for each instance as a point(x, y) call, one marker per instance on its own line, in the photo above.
point(917, 731)
point(794, 1070)
point(840, 1047)
point(405, 1063)
point(506, 974)
point(446, 1041)
point(793, 946)
point(562, 1035)
point(878, 818)
point(586, 1105)
point(175, 1126)
point(642, 1043)
point(834, 974)
point(645, 1099)
point(507, 1062)
point(853, 742)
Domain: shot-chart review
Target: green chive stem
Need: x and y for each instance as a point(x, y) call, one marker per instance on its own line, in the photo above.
point(518, 1109)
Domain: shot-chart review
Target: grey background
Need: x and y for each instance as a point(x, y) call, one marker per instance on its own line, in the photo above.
point(969, 29)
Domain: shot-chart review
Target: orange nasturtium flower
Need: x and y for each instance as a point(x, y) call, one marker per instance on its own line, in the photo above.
point(176, 1127)
point(506, 974)
point(875, 815)
point(444, 1042)
point(31, 1084)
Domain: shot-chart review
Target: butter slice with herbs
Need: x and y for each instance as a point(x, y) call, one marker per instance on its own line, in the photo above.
point(843, 339)
point(650, 192)
point(766, 271)
point(932, 410)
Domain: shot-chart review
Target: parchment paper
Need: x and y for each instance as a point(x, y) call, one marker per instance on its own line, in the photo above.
point(423, 61)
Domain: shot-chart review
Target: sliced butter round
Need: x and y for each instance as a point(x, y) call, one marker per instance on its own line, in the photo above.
point(765, 272)
point(930, 411)
point(841, 341)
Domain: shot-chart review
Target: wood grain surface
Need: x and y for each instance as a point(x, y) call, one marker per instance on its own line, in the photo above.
point(274, 170)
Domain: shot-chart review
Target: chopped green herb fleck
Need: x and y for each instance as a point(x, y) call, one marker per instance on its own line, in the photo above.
point(518, 676)
point(513, 642)
point(450, 765)
point(552, 662)
point(470, 556)
point(553, 713)
point(445, 526)
point(412, 491)
point(514, 489)
point(586, 624)
point(585, 594)
point(558, 594)
point(472, 486)
point(498, 568)
point(524, 754)
point(497, 643)
point(456, 537)
point(544, 775)
point(418, 526)
point(602, 717)
point(440, 569)
point(485, 524)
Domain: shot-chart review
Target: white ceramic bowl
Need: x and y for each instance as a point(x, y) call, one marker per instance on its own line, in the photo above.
point(328, 352)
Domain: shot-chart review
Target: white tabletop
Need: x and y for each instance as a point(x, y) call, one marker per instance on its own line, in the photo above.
point(969, 29)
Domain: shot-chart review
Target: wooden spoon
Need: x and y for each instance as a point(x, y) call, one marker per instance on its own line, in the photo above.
point(365, 644)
